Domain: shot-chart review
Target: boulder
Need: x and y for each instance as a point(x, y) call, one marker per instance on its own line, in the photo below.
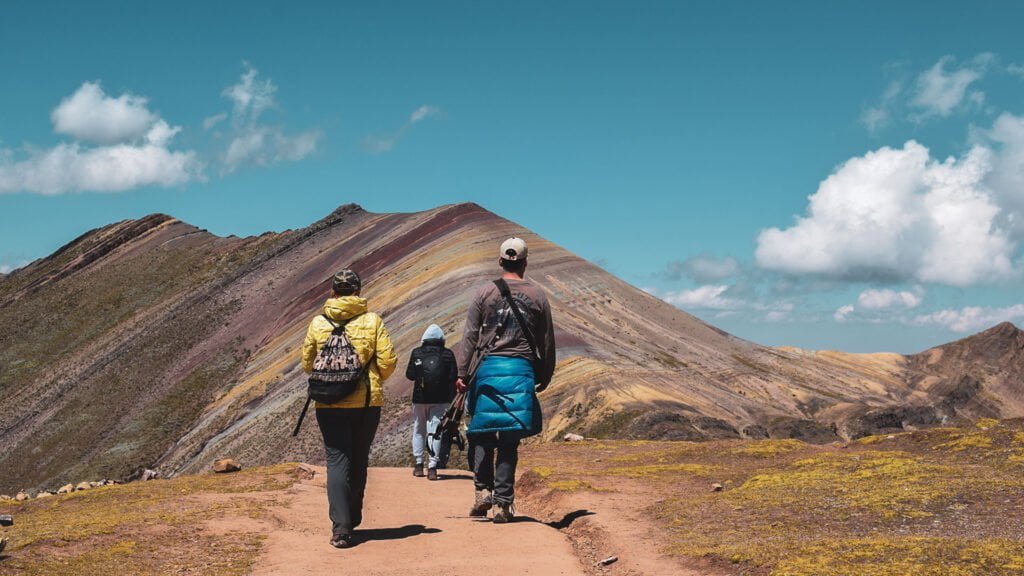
point(570, 437)
point(716, 487)
point(82, 486)
point(44, 494)
point(66, 489)
point(148, 474)
point(22, 496)
point(95, 484)
point(6, 520)
point(226, 465)
point(5, 497)
point(3, 544)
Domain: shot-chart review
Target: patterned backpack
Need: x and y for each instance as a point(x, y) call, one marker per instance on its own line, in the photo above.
point(337, 371)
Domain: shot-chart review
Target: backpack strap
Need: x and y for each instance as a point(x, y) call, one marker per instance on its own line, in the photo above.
point(507, 295)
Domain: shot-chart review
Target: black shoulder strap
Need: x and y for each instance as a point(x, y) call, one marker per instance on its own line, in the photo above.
point(507, 295)
point(331, 322)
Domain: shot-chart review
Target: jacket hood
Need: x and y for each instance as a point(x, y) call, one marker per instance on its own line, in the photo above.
point(433, 332)
point(342, 308)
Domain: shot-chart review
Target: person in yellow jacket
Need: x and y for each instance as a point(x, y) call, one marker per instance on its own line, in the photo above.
point(349, 425)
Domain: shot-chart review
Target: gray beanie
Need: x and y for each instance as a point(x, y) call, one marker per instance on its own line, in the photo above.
point(433, 332)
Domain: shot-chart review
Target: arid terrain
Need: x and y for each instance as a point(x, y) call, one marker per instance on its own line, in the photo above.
point(945, 501)
point(153, 344)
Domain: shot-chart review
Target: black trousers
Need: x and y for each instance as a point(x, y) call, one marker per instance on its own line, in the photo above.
point(348, 433)
point(494, 458)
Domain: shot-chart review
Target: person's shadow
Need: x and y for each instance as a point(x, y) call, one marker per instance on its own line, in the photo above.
point(407, 531)
point(562, 524)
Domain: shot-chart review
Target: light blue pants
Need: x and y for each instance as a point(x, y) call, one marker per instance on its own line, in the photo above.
point(425, 418)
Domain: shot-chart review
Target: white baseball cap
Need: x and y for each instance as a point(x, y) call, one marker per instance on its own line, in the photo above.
point(513, 249)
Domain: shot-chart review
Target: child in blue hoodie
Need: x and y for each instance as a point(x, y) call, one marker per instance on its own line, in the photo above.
point(433, 370)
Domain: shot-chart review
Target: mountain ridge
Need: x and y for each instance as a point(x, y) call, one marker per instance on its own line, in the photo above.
point(178, 346)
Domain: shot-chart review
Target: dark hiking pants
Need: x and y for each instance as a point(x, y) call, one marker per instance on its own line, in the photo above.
point(348, 433)
point(494, 458)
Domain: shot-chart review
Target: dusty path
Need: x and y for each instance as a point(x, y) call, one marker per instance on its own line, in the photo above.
point(411, 526)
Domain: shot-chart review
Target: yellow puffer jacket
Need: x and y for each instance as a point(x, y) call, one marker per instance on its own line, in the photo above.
point(368, 337)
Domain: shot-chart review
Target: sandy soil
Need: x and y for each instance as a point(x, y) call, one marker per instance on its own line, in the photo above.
point(411, 525)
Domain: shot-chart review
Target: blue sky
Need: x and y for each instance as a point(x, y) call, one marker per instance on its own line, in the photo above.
point(676, 144)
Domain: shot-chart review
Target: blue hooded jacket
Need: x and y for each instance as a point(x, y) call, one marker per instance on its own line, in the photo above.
point(502, 398)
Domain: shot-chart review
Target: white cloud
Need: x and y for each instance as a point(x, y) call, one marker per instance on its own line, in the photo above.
point(135, 149)
point(211, 121)
point(1007, 176)
point(875, 118)
point(252, 96)
point(886, 299)
point(1015, 70)
point(898, 214)
point(386, 142)
point(843, 311)
point(73, 167)
point(253, 142)
point(703, 298)
point(971, 318)
point(422, 112)
point(939, 90)
point(90, 115)
point(716, 298)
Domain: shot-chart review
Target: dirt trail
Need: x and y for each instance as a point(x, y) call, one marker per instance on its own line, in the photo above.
point(411, 525)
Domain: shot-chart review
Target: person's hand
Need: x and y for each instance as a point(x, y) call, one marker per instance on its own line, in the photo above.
point(460, 386)
point(541, 387)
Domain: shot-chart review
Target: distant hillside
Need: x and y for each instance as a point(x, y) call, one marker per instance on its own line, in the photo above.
point(151, 343)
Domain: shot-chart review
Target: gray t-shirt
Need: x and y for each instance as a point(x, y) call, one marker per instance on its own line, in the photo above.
point(490, 324)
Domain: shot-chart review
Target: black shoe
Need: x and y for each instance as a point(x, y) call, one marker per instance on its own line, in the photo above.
point(341, 540)
point(417, 470)
point(504, 514)
point(431, 473)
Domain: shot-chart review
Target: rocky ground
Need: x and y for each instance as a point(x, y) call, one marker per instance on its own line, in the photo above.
point(938, 502)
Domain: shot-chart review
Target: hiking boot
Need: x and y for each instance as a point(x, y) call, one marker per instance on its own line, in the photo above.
point(417, 470)
point(482, 504)
point(341, 540)
point(504, 514)
point(431, 473)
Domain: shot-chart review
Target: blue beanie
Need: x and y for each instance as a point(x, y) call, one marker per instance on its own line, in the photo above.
point(433, 332)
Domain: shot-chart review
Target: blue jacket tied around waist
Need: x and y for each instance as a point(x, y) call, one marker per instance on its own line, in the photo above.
point(503, 399)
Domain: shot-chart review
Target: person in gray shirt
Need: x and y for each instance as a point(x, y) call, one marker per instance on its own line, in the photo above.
point(517, 347)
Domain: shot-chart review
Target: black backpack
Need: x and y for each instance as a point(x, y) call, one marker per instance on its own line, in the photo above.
point(337, 370)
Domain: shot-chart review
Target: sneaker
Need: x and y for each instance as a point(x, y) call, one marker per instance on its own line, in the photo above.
point(341, 540)
point(482, 504)
point(417, 470)
point(505, 513)
point(431, 473)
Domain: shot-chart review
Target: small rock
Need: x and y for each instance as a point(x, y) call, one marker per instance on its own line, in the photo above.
point(22, 496)
point(66, 489)
point(6, 520)
point(44, 494)
point(3, 544)
point(305, 472)
point(95, 484)
point(890, 437)
point(716, 487)
point(570, 437)
point(110, 482)
point(226, 465)
point(609, 560)
point(5, 497)
point(148, 474)
point(82, 486)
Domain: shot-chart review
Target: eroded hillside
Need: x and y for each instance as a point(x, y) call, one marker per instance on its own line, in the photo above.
point(150, 343)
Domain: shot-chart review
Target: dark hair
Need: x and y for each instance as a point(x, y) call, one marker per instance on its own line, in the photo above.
point(514, 266)
point(345, 291)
